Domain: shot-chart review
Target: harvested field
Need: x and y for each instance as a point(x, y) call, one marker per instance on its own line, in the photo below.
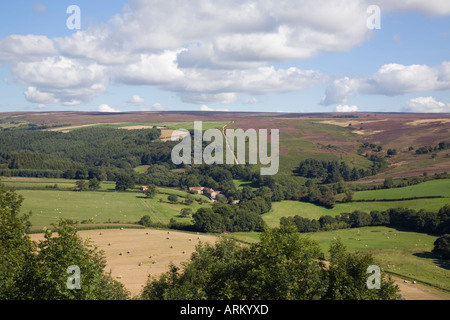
point(153, 251)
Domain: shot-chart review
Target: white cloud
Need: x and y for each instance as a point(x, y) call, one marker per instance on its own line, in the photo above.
point(59, 79)
point(206, 108)
point(72, 103)
point(30, 47)
point(252, 100)
point(427, 105)
point(346, 108)
point(391, 80)
point(151, 69)
point(214, 50)
point(158, 107)
point(106, 108)
point(136, 100)
point(32, 94)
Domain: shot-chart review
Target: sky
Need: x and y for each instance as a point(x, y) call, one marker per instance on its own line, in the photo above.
point(225, 55)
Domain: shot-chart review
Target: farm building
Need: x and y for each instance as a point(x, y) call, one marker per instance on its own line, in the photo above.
point(211, 193)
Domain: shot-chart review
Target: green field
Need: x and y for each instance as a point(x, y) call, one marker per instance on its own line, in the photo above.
point(401, 253)
point(436, 188)
point(48, 206)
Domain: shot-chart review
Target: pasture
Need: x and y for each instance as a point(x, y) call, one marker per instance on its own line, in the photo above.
point(366, 203)
point(48, 206)
point(403, 254)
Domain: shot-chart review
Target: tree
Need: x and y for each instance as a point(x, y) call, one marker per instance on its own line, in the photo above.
point(56, 254)
point(30, 271)
point(15, 245)
point(348, 196)
point(388, 183)
point(186, 212)
point(442, 246)
point(206, 220)
point(81, 185)
point(392, 152)
point(347, 277)
point(145, 221)
point(94, 184)
point(124, 182)
point(151, 191)
point(172, 198)
point(189, 200)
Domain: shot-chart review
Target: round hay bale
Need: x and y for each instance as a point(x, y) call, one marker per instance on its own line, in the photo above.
point(120, 254)
point(171, 247)
point(119, 276)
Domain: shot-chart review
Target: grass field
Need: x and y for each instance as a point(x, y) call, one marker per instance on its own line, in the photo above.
point(434, 188)
point(48, 206)
point(438, 188)
point(402, 253)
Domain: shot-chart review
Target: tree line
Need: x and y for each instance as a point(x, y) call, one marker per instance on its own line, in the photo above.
point(429, 149)
point(410, 219)
point(334, 171)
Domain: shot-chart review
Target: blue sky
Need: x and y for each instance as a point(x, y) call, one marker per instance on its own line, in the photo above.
point(230, 55)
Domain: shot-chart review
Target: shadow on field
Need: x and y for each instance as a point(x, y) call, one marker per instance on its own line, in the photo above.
point(445, 264)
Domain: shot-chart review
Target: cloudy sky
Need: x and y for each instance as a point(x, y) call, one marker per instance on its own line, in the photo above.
point(228, 55)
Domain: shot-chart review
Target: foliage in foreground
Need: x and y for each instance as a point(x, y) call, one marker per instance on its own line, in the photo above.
point(284, 265)
point(38, 271)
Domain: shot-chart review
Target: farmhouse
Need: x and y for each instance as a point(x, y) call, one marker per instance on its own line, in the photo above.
point(211, 193)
